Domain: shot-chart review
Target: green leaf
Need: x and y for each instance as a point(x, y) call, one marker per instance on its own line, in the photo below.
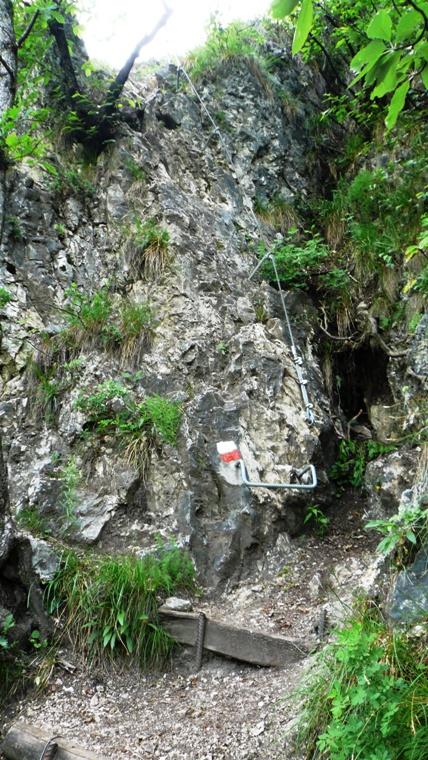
point(411, 536)
point(386, 544)
point(424, 76)
point(380, 26)
point(108, 633)
point(121, 617)
point(397, 105)
point(49, 168)
point(282, 8)
point(386, 75)
point(367, 57)
point(407, 24)
point(58, 17)
point(304, 24)
point(422, 50)
point(78, 30)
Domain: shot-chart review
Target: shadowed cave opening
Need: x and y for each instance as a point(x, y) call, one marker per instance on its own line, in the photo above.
point(361, 380)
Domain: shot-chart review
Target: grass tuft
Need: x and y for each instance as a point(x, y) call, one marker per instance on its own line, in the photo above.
point(148, 250)
point(109, 606)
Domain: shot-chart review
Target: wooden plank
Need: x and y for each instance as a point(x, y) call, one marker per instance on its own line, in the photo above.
point(26, 742)
point(259, 648)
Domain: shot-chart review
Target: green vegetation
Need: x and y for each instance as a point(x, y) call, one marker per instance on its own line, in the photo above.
point(403, 532)
point(235, 42)
point(139, 428)
point(83, 105)
point(148, 249)
point(316, 517)
point(18, 667)
point(366, 695)
point(68, 499)
point(60, 230)
point(29, 518)
point(373, 217)
point(296, 260)
point(105, 321)
point(16, 231)
point(137, 172)
point(5, 297)
point(222, 348)
point(109, 606)
point(68, 182)
point(46, 390)
point(352, 459)
point(278, 213)
point(420, 250)
point(386, 47)
point(11, 666)
point(8, 623)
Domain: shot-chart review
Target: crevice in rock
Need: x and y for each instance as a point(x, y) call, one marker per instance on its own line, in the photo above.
point(361, 380)
point(167, 120)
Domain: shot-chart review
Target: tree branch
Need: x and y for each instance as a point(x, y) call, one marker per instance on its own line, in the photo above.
point(117, 86)
point(28, 30)
point(58, 32)
point(8, 68)
point(425, 20)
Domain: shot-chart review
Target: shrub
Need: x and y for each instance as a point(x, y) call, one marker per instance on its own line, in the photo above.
point(98, 320)
point(45, 390)
point(109, 605)
point(366, 694)
point(403, 532)
point(88, 312)
point(136, 326)
point(350, 465)
point(138, 427)
point(5, 297)
point(67, 182)
point(296, 260)
point(235, 42)
point(376, 213)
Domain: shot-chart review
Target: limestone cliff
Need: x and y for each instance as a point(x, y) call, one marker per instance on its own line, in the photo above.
point(215, 343)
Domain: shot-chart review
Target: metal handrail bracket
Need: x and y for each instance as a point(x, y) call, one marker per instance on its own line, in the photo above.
point(229, 453)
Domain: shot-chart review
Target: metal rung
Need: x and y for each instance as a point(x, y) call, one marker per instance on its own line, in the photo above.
point(230, 454)
point(301, 486)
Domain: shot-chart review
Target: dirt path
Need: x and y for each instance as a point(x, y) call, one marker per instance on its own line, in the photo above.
point(229, 710)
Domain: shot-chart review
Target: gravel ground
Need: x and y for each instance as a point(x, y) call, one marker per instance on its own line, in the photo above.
point(229, 710)
point(226, 711)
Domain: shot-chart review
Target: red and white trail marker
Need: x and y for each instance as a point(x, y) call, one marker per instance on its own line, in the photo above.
point(228, 451)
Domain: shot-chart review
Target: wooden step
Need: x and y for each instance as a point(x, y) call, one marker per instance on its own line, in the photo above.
point(259, 648)
point(26, 742)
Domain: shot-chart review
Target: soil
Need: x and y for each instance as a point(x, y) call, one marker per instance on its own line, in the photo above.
point(229, 710)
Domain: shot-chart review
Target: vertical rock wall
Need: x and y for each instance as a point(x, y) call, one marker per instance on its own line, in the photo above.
point(220, 345)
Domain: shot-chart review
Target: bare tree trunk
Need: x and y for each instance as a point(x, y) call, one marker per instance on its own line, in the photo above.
point(96, 125)
point(117, 86)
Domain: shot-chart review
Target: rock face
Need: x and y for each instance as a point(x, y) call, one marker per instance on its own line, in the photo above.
point(215, 342)
point(409, 599)
point(220, 345)
point(386, 479)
